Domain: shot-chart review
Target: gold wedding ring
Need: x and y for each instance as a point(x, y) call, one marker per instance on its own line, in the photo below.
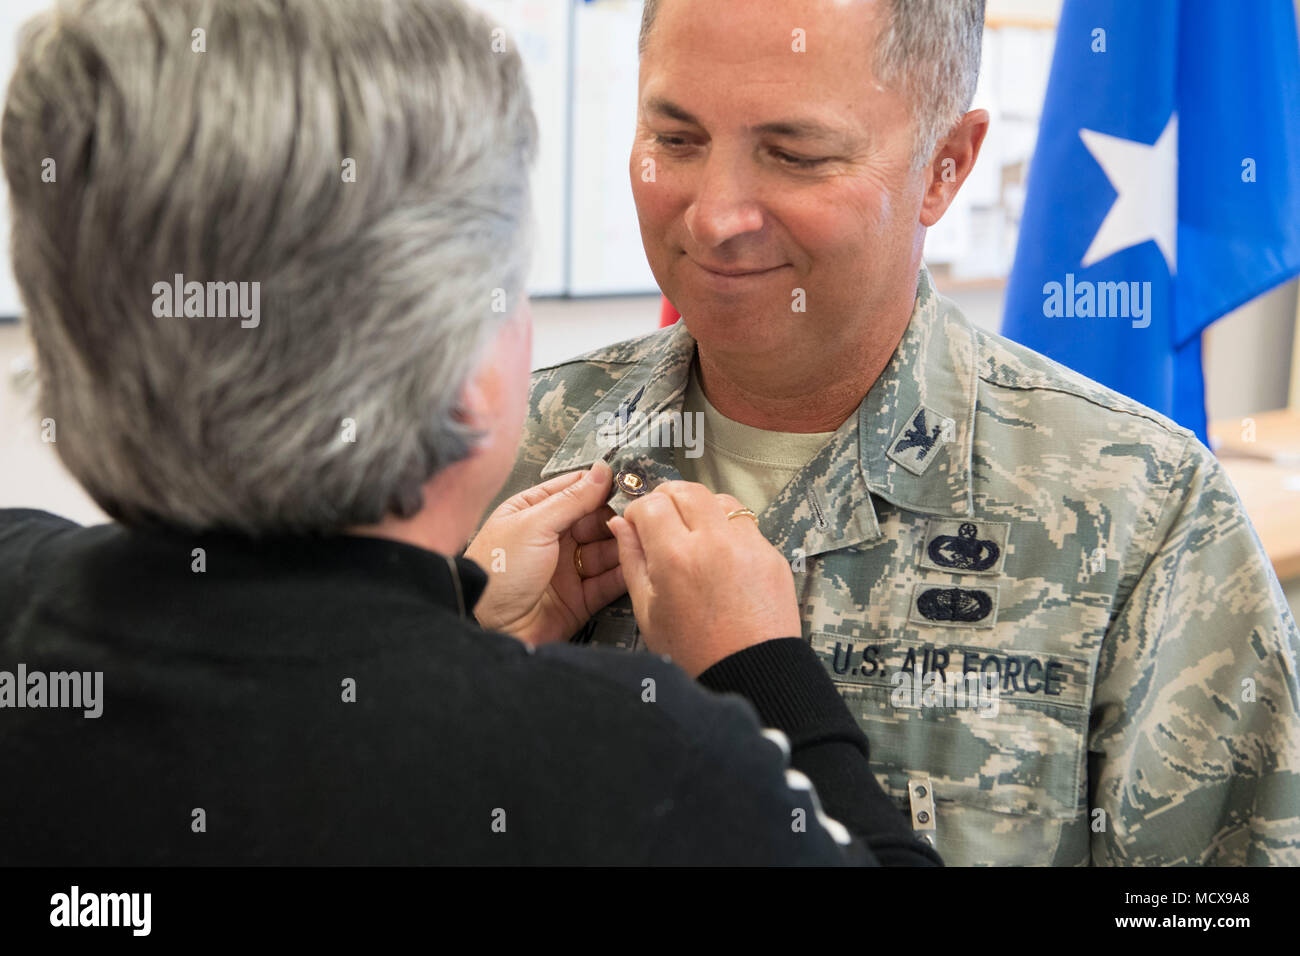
point(743, 511)
point(577, 560)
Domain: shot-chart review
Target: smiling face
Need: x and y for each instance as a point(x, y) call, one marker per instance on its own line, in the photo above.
point(775, 171)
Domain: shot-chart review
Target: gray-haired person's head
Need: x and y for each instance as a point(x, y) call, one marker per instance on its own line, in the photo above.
point(927, 50)
point(363, 161)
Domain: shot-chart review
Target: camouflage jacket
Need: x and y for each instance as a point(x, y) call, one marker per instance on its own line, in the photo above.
point(988, 512)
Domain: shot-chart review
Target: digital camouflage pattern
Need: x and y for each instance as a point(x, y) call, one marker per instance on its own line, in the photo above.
point(987, 511)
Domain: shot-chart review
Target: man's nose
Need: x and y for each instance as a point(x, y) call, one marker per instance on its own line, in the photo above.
point(725, 206)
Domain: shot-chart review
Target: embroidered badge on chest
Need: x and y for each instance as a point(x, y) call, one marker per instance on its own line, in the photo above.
point(965, 547)
point(921, 440)
point(954, 606)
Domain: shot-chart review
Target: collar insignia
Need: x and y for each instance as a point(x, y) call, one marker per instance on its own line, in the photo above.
point(916, 444)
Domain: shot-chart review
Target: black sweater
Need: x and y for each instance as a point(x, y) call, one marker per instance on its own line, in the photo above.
point(321, 701)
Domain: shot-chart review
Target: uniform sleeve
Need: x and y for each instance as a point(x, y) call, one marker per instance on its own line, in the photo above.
point(1194, 752)
point(537, 443)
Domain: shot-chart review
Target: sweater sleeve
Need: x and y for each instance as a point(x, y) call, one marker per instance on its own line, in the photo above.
point(790, 690)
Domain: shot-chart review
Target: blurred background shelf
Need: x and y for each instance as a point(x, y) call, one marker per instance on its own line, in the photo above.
point(1261, 454)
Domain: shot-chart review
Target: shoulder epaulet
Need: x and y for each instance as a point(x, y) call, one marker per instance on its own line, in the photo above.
point(1002, 362)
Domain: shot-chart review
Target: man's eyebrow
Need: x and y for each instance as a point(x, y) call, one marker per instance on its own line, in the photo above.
point(671, 110)
point(792, 129)
point(800, 129)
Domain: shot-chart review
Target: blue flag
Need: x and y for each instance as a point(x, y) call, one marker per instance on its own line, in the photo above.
point(1164, 190)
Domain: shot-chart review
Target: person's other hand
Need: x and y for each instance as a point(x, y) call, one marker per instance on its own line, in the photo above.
point(534, 591)
point(703, 586)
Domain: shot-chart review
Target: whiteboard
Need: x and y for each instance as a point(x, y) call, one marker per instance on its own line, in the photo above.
point(540, 32)
point(605, 252)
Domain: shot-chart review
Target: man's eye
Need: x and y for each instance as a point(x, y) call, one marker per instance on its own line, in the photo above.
point(664, 139)
point(797, 162)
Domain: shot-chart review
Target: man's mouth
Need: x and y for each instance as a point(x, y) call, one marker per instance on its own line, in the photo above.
point(737, 272)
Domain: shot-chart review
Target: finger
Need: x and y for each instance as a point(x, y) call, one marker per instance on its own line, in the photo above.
point(604, 589)
point(538, 493)
point(631, 556)
point(593, 527)
point(727, 505)
point(559, 511)
point(657, 521)
point(598, 557)
point(694, 502)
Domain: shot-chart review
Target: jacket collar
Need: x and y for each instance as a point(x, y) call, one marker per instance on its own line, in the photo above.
point(656, 384)
point(933, 370)
point(909, 442)
point(357, 569)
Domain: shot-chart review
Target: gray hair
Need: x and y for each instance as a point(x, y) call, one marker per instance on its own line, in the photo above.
point(929, 51)
point(378, 294)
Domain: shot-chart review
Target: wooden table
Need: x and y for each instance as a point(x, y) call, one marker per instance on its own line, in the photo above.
point(1266, 474)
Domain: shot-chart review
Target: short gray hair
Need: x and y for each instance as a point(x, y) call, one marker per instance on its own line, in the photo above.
point(929, 51)
point(378, 294)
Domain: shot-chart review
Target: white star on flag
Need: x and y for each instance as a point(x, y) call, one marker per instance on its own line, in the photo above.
point(1146, 178)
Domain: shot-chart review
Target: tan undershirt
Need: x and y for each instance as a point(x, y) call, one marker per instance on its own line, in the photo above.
point(750, 464)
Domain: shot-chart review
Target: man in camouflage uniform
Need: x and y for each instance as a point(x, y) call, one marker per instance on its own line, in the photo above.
point(985, 520)
point(1145, 658)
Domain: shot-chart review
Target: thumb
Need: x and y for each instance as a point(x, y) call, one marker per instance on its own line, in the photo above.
point(557, 513)
point(631, 557)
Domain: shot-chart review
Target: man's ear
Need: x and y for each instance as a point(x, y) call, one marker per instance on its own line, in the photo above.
point(473, 406)
point(496, 391)
point(953, 160)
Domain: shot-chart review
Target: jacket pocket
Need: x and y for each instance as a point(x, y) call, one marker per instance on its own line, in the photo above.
point(1000, 733)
